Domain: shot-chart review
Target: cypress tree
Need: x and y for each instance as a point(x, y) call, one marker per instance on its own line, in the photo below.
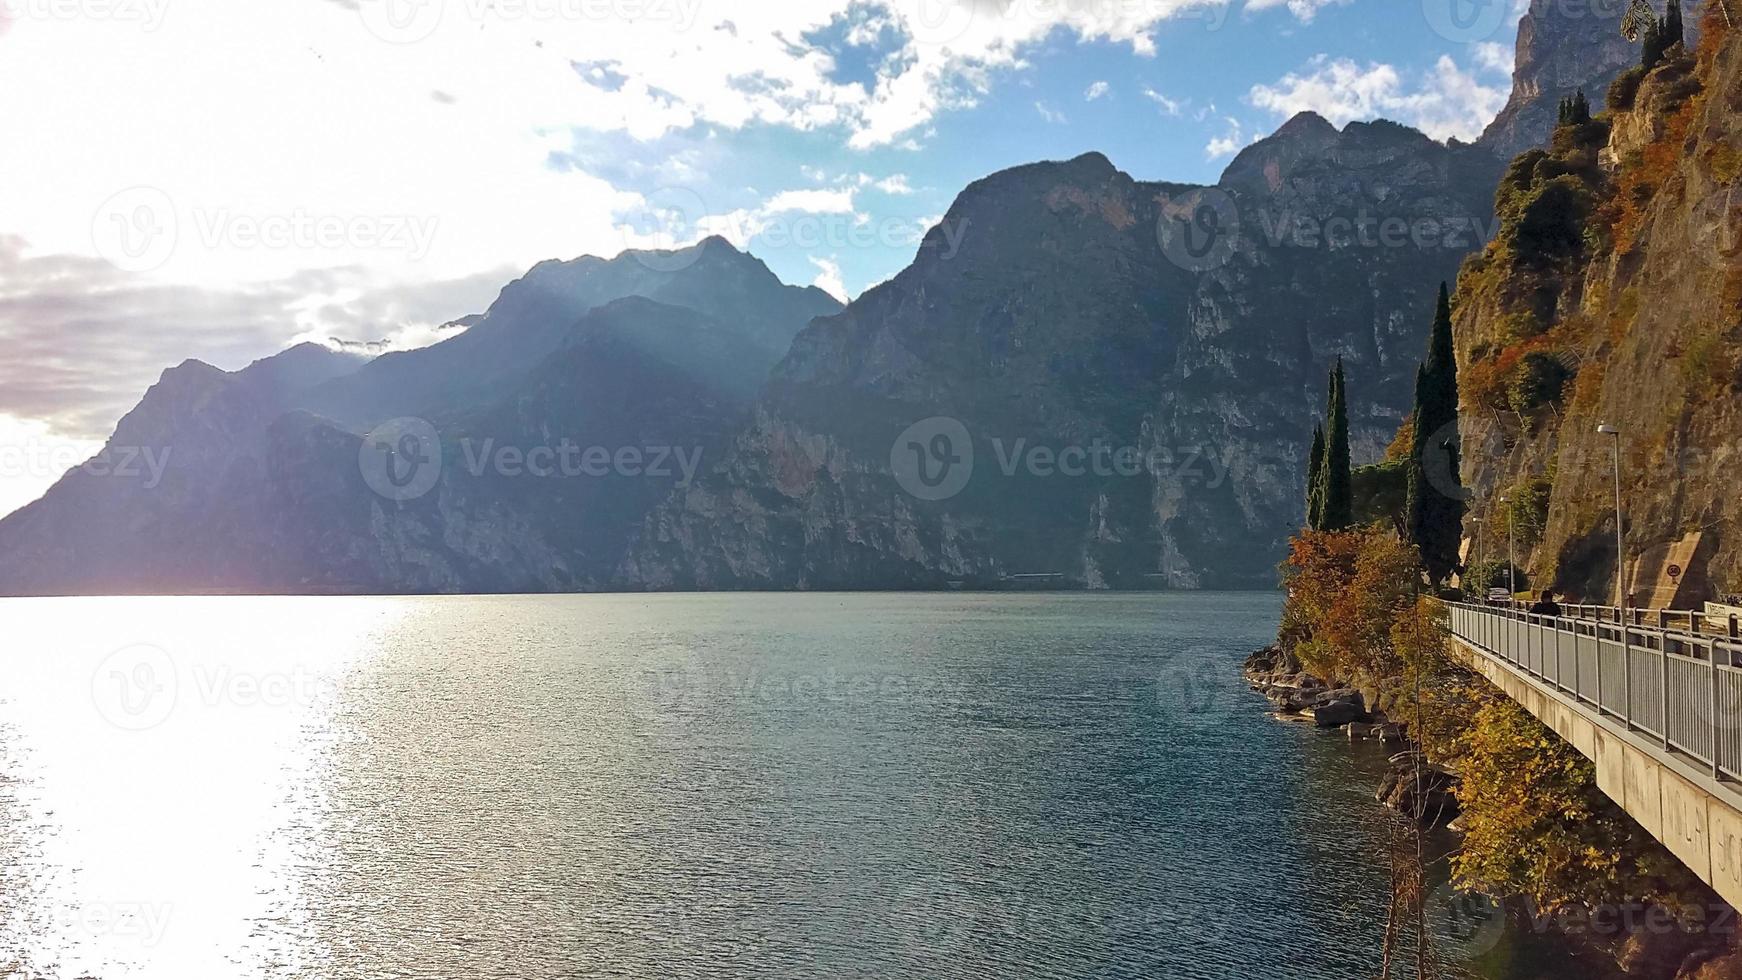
point(1337, 509)
point(1315, 473)
point(1436, 504)
point(1674, 31)
point(1656, 42)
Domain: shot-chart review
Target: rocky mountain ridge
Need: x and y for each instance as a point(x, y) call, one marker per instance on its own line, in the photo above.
point(274, 478)
point(1076, 314)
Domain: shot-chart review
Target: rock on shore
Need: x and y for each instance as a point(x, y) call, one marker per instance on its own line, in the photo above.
point(1425, 792)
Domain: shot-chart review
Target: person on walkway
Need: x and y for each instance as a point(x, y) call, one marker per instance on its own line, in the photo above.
point(1546, 606)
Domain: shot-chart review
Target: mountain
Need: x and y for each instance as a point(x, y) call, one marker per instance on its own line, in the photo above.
point(148, 512)
point(267, 479)
point(1563, 48)
point(1614, 295)
point(532, 317)
point(1174, 338)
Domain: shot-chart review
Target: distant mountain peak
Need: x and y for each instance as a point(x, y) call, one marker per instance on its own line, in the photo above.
point(1305, 124)
point(1564, 48)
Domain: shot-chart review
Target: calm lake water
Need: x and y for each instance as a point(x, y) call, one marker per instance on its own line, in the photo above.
point(670, 786)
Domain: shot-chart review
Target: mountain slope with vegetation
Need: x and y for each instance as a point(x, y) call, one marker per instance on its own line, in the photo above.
point(1614, 295)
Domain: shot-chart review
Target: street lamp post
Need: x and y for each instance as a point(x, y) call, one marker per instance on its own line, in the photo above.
point(1606, 429)
point(1620, 540)
point(1511, 551)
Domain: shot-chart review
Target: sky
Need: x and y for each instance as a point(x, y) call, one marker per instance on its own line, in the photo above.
point(218, 180)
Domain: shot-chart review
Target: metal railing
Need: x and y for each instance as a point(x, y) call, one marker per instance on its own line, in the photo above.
point(1682, 687)
point(1683, 620)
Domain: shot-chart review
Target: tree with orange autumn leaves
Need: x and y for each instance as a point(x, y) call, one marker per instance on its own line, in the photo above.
point(1346, 592)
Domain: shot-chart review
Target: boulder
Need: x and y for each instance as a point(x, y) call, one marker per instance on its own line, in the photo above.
point(1272, 660)
point(1348, 695)
point(1334, 714)
point(1426, 793)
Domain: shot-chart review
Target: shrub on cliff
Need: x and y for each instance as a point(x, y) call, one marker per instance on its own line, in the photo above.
point(1624, 89)
point(1539, 380)
point(1551, 222)
point(1526, 511)
point(1536, 825)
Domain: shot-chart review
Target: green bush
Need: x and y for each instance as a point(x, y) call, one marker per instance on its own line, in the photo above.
point(1525, 513)
point(1625, 89)
point(1539, 380)
point(1381, 493)
point(1551, 224)
point(1520, 326)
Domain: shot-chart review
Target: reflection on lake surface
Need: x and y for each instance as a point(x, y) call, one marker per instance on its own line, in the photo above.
point(670, 786)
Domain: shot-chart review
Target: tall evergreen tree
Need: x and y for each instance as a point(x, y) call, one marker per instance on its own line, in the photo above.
point(1315, 473)
point(1436, 500)
point(1337, 509)
point(1661, 34)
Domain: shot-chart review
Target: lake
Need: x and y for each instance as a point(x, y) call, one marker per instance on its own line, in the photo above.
point(782, 786)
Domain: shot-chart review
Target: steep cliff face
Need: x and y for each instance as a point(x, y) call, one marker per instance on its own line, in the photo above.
point(1089, 380)
point(1562, 48)
point(1615, 296)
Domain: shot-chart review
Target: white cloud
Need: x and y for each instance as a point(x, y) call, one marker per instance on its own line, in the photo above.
point(1050, 114)
point(1303, 10)
point(895, 184)
point(816, 201)
point(1232, 141)
point(1096, 91)
point(829, 278)
point(339, 119)
point(810, 218)
point(1444, 103)
point(83, 339)
point(1171, 107)
point(958, 44)
point(1494, 57)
